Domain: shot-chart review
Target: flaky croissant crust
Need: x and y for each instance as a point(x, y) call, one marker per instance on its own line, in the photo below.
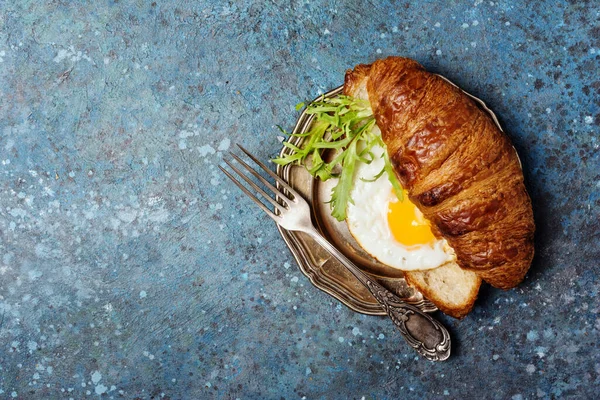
point(459, 169)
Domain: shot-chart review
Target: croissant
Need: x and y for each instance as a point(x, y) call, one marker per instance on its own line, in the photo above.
point(459, 169)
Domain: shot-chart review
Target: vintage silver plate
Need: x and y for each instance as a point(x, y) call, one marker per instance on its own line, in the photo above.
point(324, 271)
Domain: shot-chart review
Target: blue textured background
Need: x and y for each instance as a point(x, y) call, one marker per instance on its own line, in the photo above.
point(131, 268)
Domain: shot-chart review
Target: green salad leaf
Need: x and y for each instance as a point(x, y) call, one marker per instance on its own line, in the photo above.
point(343, 125)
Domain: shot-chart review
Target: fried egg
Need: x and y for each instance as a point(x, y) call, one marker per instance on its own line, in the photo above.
point(393, 231)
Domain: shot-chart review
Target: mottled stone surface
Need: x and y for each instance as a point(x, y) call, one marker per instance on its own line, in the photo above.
point(130, 267)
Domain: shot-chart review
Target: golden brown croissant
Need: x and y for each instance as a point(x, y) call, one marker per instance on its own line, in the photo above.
point(460, 170)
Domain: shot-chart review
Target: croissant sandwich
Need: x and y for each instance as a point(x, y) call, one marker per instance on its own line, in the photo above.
point(458, 168)
point(453, 210)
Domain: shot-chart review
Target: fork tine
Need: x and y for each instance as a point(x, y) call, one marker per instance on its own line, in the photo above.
point(253, 197)
point(273, 174)
point(255, 186)
point(259, 177)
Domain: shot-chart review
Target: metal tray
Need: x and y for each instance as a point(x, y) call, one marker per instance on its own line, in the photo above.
point(324, 271)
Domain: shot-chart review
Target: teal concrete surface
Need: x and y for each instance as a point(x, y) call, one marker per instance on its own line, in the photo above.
point(131, 268)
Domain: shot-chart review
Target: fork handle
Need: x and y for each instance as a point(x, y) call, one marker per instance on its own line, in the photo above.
point(423, 333)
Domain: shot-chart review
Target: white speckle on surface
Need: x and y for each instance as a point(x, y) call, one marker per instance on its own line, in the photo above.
point(475, 23)
point(341, 339)
point(530, 368)
point(216, 206)
point(61, 55)
point(294, 279)
point(395, 29)
point(32, 346)
point(224, 145)
point(287, 265)
point(356, 331)
point(308, 371)
point(540, 351)
point(127, 215)
point(143, 294)
point(18, 212)
point(532, 335)
point(72, 54)
point(326, 32)
point(473, 44)
point(588, 119)
point(378, 51)
point(507, 23)
point(36, 376)
point(464, 26)
point(548, 110)
point(182, 145)
point(437, 25)
point(14, 394)
point(96, 376)
point(495, 357)
point(438, 52)
point(100, 389)
point(48, 191)
point(206, 150)
point(186, 134)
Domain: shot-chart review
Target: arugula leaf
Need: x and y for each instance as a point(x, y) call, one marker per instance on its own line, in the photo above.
point(375, 177)
point(340, 195)
point(342, 124)
point(392, 177)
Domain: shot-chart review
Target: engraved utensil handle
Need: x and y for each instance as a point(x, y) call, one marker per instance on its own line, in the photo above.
point(423, 333)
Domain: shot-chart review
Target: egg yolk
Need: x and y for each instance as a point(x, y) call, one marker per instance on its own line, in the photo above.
point(407, 224)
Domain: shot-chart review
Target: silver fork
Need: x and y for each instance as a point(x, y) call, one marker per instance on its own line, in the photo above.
point(425, 334)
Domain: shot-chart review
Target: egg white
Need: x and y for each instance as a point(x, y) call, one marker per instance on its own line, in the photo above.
point(368, 223)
